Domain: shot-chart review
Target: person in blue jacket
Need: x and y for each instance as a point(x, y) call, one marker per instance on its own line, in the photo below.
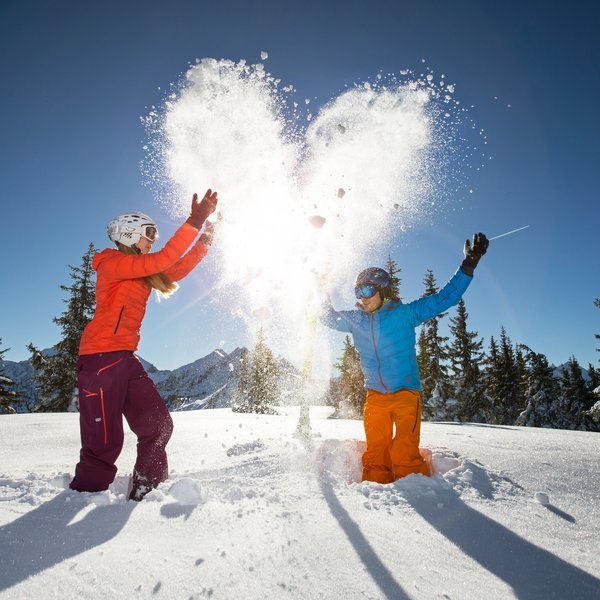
point(383, 331)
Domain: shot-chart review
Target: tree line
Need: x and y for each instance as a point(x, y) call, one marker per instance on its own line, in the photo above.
point(508, 384)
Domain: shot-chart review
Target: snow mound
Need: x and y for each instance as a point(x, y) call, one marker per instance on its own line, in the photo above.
point(187, 492)
point(542, 498)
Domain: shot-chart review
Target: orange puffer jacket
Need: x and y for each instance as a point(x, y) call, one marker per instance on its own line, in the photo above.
point(122, 293)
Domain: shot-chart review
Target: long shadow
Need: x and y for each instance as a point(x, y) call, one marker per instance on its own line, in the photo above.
point(379, 572)
point(43, 537)
point(531, 571)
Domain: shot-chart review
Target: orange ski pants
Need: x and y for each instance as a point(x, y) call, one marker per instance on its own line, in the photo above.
point(390, 456)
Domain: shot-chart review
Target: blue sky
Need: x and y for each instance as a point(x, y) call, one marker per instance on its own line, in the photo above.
point(77, 77)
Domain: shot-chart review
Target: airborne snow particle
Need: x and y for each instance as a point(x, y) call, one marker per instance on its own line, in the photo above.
point(341, 128)
point(264, 55)
point(341, 193)
point(317, 221)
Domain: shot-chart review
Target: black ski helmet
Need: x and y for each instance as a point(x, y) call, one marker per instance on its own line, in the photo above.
point(376, 276)
point(379, 278)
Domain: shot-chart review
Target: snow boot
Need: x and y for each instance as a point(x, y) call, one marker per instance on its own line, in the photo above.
point(140, 486)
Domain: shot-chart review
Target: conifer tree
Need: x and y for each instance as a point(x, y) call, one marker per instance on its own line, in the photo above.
point(431, 358)
point(8, 395)
point(501, 381)
point(542, 392)
point(509, 381)
point(576, 398)
point(492, 383)
point(263, 390)
point(597, 336)
point(392, 268)
point(522, 376)
point(351, 386)
point(466, 357)
point(332, 396)
point(240, 401)
point(55, 372)
point(594, 377)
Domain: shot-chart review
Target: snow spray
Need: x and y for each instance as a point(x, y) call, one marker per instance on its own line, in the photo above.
point(300, 193)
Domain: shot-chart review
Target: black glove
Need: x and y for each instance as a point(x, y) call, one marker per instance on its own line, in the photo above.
point(201, 210)
point(473, 253)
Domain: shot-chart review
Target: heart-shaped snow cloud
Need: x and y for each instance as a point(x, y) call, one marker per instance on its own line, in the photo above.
point(298, 200)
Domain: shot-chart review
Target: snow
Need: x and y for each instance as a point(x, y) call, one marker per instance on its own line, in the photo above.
point(251, 511)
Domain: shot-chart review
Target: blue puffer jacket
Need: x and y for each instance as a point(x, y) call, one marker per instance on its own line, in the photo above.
point(386, 338)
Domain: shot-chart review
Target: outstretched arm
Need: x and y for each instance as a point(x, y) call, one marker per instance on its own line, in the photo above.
point(135, 266)
point(333, 319)
point(430, 306)
point(199, 250)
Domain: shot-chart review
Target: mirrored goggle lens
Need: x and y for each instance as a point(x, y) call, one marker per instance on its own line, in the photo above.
point(150, 233)
point(365, 291)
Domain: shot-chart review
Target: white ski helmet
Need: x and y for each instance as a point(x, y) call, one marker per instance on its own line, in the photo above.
point(129, 228)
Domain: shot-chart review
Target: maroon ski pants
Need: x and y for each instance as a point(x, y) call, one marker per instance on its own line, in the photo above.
point(113, 385)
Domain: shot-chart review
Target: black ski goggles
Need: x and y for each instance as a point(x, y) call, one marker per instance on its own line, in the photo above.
point(150, 232)
point(365, 291)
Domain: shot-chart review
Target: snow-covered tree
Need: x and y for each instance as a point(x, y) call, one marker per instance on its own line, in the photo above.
point(8, 395)
point(240, 401)
point(597, 336)
point(593, 378)
point(258, 390)
point(542, 393)
point(392, 268)
point(576, 398)
point(466, 357)
point(432, 355)
point(502, 381)
point(350, 393)
point(55, 372)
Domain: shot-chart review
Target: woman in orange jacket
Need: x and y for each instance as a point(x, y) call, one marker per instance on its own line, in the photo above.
point(111, 380)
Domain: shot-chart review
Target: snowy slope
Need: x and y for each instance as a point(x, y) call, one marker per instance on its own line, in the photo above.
point(251, 512)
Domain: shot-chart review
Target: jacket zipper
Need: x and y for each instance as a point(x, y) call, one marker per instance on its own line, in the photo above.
point(119, 320)
point(376, 354)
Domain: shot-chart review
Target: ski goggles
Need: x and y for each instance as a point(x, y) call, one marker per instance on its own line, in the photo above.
point(365, 291)
point(149, 232)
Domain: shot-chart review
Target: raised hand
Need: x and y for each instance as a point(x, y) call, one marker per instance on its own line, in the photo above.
point(201, 210)
point(473, 252)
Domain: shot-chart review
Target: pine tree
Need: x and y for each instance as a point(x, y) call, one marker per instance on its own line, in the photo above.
point(597, 336)
point(493, 385)
point(594, 377)
point(8, 396)
point(502, 381)
point(392, 268)
point(431, 358)
point(466, 357)
point(509, 381)
point(576, 398)
point(542, 393)
point(351, 386)
point(240, 401)
point(263, 390)
point(55, 372)
point(522, 375)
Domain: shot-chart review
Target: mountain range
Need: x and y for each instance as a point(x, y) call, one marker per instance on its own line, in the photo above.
point(209, 382)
